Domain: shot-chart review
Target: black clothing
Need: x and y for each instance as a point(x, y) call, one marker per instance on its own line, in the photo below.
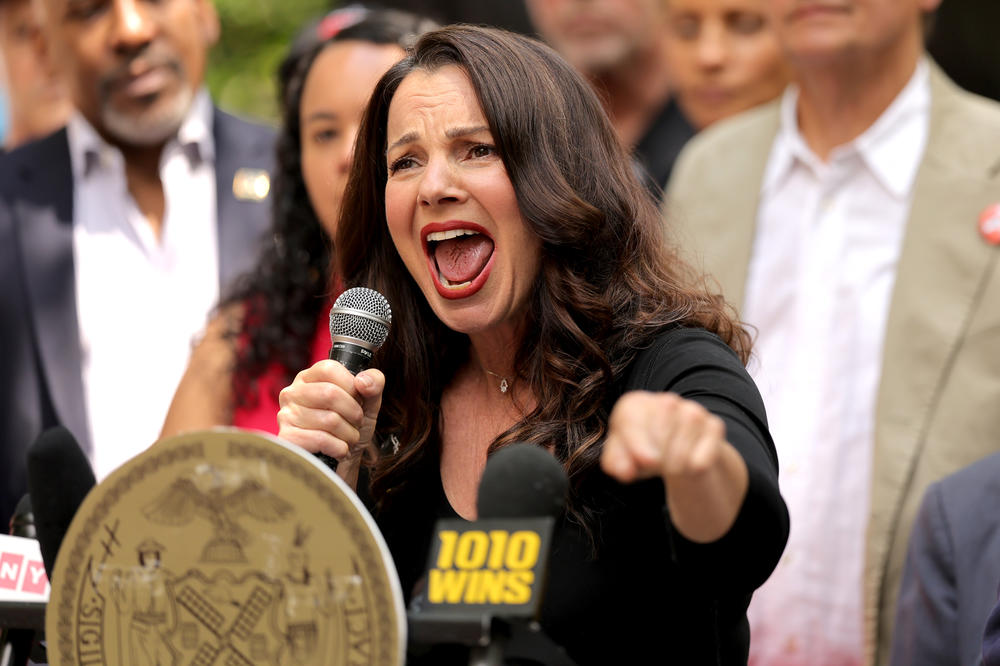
point(656, 151)
point(650, 595)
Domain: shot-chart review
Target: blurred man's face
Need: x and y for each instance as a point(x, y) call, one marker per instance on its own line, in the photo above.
point(821, 30)
point(132, 66)
point(38, 103)
point(723, 57)
point(598, 36)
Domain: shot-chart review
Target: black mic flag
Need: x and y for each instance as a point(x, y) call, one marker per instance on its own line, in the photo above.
point(492, 571)
point(59, 478)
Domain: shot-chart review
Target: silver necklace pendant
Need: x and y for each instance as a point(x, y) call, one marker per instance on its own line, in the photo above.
point(503, 384)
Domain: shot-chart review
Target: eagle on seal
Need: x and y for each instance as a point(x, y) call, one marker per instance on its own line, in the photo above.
point(184, 500)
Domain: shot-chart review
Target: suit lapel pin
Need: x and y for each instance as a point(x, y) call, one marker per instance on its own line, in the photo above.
point(989, 224)
point(251, 184)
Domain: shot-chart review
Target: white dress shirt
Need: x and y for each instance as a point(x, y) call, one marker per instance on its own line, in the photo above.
point(818, 290)
point(141, 300)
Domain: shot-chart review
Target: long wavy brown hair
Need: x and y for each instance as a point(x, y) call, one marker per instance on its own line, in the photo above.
point(609, 281)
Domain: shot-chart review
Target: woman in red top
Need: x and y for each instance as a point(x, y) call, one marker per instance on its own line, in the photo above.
point(275, 322)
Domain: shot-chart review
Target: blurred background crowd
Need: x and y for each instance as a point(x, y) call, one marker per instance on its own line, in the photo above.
point(257, 34)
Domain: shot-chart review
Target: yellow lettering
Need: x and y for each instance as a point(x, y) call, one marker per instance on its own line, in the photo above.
point(473, 547)
point(498, 549)
point(473, 592)
point(485, 585)
point(522, 553)
point(493, 586)
point(519, 587)
point(446, 586)
point(446, 556)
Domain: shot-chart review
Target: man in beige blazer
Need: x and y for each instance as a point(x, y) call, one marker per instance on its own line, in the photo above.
point(936, 402)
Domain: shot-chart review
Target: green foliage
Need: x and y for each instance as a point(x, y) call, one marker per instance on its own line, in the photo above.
point(255, 37)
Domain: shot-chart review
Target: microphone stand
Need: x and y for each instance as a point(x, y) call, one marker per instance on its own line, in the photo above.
point(492, 653)
point(491, 640)
point(485, 635)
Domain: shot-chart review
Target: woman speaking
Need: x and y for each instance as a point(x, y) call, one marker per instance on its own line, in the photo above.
point(535, 299)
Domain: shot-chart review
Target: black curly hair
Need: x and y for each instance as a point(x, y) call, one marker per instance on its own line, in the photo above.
point(285, 294)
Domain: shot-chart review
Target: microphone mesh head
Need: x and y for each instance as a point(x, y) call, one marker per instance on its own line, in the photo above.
point(363, 314)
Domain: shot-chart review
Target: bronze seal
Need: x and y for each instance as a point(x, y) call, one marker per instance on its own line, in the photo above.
point(224, 547)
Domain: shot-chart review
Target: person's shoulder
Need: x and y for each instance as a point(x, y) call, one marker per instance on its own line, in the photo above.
point(39, 157)
point(238, 125)
point(44, 147)
point(683, 347)
point(242, 144)
point(971, 485)
point(739, 142)
point(945, 90)
point(38, 168)
point(686, 335)
point(733, 132)
point(966, 126)
point(687, 341)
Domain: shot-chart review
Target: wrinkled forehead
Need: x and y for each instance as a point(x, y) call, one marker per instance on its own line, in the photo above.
point(432, 99)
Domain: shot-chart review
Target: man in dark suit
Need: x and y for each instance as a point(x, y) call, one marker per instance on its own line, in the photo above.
point(952, 570)
point(118, 232)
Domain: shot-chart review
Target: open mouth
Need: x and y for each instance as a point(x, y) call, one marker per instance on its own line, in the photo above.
point(143, 77)
point(459, 256)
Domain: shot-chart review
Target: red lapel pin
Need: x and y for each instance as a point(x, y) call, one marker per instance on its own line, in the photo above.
point(989, 224)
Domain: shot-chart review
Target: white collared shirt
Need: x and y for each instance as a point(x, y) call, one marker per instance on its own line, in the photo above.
point(141, 300)
point(827, 243)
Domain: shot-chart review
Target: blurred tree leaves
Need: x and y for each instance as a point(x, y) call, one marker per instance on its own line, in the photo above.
point(255, 36)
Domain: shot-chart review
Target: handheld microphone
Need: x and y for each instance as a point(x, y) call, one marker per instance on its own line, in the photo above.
point(59, 477)
point(486, 578)
point(359, 324)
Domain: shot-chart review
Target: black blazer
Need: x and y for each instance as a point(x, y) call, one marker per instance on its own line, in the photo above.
point(41, 384)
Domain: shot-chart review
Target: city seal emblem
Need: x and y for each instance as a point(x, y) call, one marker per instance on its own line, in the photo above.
point(224, 547)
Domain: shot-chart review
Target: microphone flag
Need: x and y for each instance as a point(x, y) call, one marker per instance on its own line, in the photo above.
point(494, 566)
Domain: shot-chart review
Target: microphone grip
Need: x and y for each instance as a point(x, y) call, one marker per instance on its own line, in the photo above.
point(355, 358)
